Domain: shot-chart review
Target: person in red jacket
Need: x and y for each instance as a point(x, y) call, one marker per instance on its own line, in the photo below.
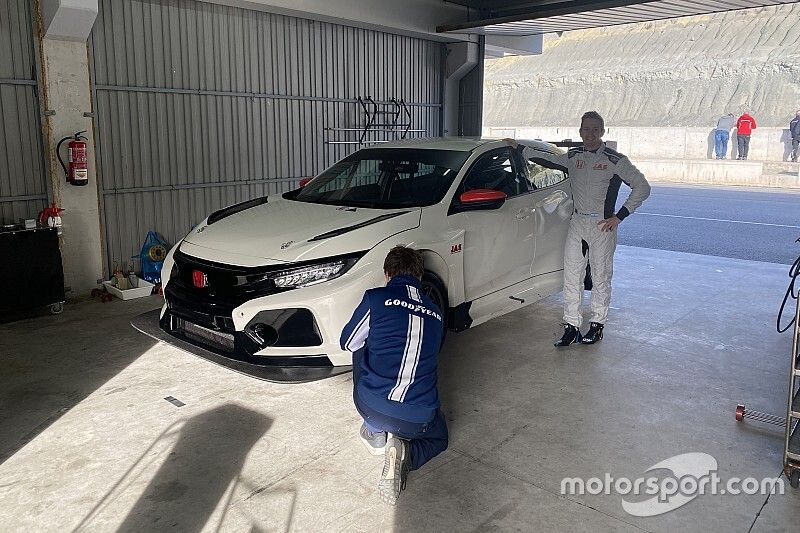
point(744, 127)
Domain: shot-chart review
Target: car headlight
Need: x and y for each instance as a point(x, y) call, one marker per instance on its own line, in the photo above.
point(313, 274)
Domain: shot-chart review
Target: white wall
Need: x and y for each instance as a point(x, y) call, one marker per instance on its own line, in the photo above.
point(766, 144)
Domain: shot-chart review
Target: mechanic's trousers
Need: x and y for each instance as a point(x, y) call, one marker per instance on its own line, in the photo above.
point(427, 440)
point(584, 227)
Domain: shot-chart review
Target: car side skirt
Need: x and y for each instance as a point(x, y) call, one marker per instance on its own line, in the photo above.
point(513, 297)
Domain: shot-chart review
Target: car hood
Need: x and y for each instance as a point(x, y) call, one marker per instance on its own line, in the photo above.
point(286, 231)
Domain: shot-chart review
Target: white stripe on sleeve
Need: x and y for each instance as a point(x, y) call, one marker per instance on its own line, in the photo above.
point(359, 335)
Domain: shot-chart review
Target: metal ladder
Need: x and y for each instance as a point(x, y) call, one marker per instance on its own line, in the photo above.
point(791, 443)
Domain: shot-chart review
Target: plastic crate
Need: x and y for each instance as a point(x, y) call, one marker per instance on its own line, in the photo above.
point(143, 288)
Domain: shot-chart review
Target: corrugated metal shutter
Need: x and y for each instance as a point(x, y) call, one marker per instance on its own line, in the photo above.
point(201, 105)
point(23, 179)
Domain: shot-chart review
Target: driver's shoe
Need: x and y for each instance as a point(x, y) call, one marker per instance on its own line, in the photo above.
point(594, 334)
point(571, 336)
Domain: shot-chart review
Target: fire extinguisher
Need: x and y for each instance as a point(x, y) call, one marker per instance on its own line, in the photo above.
point(78, 171)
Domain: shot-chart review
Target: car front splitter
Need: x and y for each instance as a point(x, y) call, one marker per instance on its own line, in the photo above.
point(277, 369)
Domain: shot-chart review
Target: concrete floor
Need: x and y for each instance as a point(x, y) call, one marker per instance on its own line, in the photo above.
point(88, 443)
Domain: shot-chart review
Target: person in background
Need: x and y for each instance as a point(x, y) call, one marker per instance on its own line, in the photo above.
point(794, 131)
point(395, 334)
point(744, 127)
point(722, 134)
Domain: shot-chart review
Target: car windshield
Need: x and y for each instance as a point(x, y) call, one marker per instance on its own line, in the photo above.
point(385, 178)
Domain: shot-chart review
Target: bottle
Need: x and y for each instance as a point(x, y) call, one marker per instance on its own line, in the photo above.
point(120, 280)
point(133, 282)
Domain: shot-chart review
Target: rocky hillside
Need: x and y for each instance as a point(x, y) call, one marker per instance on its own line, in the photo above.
point(680, 72)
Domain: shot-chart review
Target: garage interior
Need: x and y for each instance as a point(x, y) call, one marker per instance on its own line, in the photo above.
point(189, 106)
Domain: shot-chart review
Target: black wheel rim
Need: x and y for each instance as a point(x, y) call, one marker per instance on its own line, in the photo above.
point(432, 291)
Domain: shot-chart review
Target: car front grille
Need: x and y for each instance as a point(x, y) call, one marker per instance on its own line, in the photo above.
point(227, 287)
point(223, 282)
point(213, 339)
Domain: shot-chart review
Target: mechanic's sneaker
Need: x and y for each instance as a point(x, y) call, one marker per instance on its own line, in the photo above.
point(396, 464)
point(571, 336)
point(594, 334)
point(375, 442)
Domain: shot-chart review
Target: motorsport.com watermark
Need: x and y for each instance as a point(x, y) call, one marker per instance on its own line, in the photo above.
point(690, 475)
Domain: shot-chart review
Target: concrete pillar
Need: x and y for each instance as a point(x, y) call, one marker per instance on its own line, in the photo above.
point(66, 98)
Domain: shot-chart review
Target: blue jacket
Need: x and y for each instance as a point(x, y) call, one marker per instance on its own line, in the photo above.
point(400, 331)
point(794, 127)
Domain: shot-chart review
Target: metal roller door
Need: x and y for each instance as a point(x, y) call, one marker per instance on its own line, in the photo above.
point(23, 178)
point(200, 105)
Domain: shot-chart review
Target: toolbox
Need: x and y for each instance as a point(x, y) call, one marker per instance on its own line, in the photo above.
point(31, 272)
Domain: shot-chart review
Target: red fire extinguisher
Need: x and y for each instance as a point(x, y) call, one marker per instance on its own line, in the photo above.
point(78, 171)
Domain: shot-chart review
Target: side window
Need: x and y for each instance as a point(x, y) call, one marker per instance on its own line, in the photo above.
point(541, 176)
point(496, 170)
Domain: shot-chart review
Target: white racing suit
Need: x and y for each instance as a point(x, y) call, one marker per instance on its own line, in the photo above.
point(596, 178)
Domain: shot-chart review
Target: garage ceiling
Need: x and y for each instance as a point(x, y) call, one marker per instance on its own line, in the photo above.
point(515, 18)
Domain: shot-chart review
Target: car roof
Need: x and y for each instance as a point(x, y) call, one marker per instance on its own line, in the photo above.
point(459, 144)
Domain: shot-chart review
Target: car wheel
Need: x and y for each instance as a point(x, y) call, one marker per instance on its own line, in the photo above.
point(433, 288)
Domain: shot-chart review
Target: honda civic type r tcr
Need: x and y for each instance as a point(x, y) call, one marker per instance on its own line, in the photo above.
point(271, 282)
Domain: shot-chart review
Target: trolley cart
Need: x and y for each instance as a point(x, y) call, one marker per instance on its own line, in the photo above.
point(791, 444)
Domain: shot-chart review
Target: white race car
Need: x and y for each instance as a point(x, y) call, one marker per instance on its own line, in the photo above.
point(269, 283)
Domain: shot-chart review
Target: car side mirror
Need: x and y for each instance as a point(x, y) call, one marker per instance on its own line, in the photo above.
point(481, 200)
point(304, 181)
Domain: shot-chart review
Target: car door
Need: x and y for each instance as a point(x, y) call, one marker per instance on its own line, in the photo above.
point(498, 243)
point(551, 198)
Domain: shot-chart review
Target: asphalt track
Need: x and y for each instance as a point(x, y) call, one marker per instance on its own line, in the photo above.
point(736, 222)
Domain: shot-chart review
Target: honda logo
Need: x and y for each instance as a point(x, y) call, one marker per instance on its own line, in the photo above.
point(199, 279)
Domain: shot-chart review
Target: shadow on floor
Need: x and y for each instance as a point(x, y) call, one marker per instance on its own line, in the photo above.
point(51, 363)
point(207, 457)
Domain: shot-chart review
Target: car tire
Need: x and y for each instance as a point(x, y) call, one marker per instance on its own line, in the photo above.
point(433, 288)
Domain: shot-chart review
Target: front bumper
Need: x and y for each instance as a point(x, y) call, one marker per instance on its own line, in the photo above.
point(284, 369)
point(303, 325)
